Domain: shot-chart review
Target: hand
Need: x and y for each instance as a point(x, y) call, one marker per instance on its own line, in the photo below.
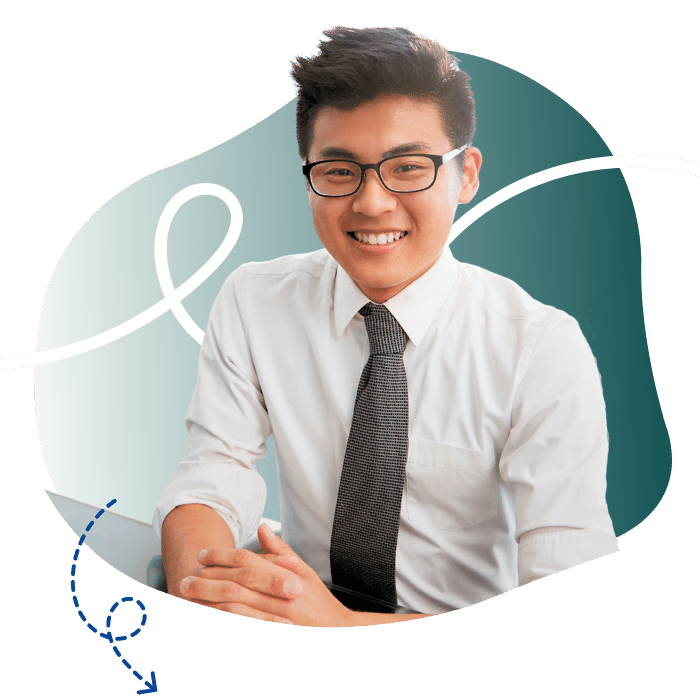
point(316, 606)
point(276, 585)
point(242, 582)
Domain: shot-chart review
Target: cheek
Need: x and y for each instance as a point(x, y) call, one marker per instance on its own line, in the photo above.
point(327, 213)
point(434, 213)
point(434, 221)
point(317, 211)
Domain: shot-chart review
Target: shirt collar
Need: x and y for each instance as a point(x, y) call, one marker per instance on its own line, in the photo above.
point(414, 307)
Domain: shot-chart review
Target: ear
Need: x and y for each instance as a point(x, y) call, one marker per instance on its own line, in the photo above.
point(470, 175)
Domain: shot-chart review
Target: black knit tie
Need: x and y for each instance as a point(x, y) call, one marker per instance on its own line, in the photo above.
point(366, 523)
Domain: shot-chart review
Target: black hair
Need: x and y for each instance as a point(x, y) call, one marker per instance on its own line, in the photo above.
point(355, 66)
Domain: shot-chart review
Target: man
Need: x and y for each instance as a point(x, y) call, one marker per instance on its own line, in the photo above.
point(440, 435)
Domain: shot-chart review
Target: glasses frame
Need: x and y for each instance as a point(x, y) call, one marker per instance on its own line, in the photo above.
point(437, 161)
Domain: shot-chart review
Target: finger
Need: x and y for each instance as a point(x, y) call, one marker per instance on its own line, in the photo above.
point(271, 544)
point(225, 591)
point(288, 561)
point(277, 551)
point(227, 556)
point(270, 580)
point(211, 591)
point(230, 557)
point(243, 558)
point(291, 562)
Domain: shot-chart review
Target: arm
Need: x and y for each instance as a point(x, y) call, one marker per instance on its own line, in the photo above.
point(555, 458)
point(246, 580)
point(216, 497)
point(187, 530)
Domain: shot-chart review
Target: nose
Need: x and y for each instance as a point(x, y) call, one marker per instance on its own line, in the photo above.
point(373, 199)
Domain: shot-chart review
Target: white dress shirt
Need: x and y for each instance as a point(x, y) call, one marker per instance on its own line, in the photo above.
point(505, 478)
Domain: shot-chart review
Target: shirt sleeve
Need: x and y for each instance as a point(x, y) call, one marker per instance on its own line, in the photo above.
point(227, 423)
point(555, 458)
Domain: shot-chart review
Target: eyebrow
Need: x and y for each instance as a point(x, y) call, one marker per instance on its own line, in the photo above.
point(416, 147)
point(343, 153)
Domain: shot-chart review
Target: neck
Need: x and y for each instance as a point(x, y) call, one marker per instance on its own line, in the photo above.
point(380, 296)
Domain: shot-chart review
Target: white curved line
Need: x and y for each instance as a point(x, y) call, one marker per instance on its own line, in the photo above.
point(161, 250)
point(172, 297)
point(579, 166)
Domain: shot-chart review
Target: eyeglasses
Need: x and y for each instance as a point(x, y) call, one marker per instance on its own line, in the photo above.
point(413, 172)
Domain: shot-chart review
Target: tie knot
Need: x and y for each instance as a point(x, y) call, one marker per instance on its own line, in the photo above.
point(386, 337)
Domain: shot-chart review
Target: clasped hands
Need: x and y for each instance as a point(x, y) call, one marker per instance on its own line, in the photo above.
point(275, 585)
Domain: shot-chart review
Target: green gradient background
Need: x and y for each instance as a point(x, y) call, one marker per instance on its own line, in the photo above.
point(90, 110)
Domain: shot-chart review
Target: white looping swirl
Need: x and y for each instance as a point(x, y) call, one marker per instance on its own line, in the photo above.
point(172, 297)
point(170, 294)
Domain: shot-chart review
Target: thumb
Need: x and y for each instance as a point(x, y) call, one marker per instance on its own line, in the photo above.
point(271, 544)
point(275, 549)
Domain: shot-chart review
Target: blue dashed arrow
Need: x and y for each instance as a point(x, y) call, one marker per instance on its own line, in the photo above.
point(151, 687)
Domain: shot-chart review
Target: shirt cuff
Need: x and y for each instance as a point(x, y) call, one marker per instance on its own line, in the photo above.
point(236, 493)
point(543, 553)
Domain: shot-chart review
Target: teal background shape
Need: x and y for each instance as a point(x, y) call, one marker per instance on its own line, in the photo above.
point(573, 243)
point(96, 98)
point(111, 421)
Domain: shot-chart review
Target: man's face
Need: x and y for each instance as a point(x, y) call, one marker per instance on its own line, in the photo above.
point(389, 125)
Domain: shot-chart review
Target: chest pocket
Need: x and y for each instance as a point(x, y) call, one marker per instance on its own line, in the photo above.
point(450, 487)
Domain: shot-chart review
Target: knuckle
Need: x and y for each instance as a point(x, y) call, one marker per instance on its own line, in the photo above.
point(280, 585)
point(248, 577)
point(230, 590)
point(242, 557)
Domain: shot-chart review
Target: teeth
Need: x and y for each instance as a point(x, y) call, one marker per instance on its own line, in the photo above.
point(378, 239)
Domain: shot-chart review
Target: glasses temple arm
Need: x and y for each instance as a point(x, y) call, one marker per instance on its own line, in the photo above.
point(449, 156)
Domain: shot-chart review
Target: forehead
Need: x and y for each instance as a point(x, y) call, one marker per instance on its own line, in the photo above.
point(377, 129)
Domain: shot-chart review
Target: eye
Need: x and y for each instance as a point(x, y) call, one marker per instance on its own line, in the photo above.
point(410, 167)
point(335, 171)
point(338, 172)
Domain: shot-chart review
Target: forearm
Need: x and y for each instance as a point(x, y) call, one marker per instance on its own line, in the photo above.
point(187, 530)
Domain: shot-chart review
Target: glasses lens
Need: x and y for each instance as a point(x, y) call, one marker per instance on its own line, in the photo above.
point(335, 178)
point(408, 173)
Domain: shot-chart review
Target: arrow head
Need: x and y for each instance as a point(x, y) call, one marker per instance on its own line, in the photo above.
point(151, 687)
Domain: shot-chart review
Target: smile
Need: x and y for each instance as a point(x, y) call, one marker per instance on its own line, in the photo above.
point(378, 238)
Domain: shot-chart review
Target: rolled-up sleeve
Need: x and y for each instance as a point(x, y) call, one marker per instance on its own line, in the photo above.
point(555, 458)
point(227, 423)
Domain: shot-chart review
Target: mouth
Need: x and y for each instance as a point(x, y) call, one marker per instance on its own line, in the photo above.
point(378, 239)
